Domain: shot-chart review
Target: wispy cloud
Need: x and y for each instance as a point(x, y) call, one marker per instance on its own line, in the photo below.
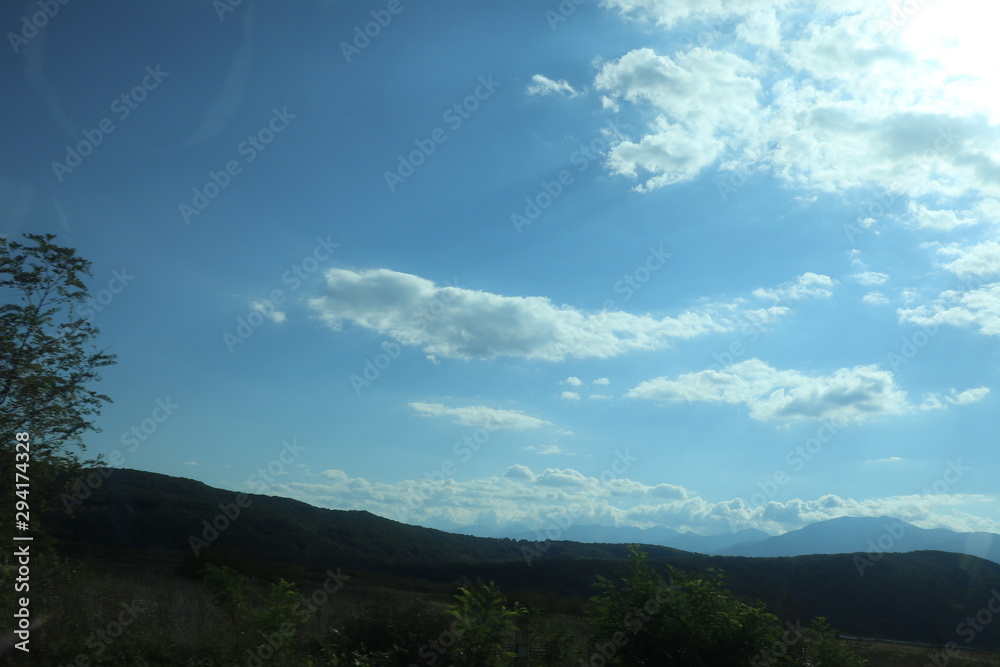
point(480, 416)
point(973, 308)
point(876, 462)
point(807, 286)
point(869, 278)
point(542, 85)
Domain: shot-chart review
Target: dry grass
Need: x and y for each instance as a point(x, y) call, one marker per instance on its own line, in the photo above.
point(883, 654)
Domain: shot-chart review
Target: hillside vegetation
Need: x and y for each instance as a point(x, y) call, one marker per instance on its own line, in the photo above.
point(204, 577)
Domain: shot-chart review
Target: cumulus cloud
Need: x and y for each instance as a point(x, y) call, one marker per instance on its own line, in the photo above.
point(977, 308)
point(761, 28)
point(875, 299)
point(480, 416)
point(602, 382)
point(848, 395)
point(542, 85)
point(982, 259)
point(843, 104)
point(522, 499)
point(572, 381)
point(668, 13)
point(461, 323)
point(698, 96)
point(868, 278)
point(941, 220)
point(570, 396)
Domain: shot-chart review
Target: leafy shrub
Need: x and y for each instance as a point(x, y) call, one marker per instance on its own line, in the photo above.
point(484, 624)
point(694, 621)
point(392, 634)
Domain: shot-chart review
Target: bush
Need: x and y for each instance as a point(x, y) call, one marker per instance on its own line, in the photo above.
point(484, 624)
point(390, 633)
point(694, 621)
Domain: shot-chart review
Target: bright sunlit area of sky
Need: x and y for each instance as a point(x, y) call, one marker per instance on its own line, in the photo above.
point(474, 265)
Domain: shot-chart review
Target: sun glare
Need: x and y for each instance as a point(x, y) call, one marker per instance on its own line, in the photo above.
point(960, 35)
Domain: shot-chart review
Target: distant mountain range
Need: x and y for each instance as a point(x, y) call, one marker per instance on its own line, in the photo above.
point(835, 536)
point(869, 534)
point(658, 535)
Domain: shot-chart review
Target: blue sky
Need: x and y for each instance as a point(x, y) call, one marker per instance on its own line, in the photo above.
point(684, 263)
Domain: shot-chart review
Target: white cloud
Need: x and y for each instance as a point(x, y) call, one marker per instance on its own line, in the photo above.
point(602, 382)
point(925, 510)
point(679, 86)
point(761, 28)
point(875, 299)
point(542, 85)
point(842, 104)
point(600, 397)
point(977, 308)
point(672, 152)
point(934, 401)
point(982, 259)
point(808, 285)
point(848, 395)
point(868, 278)
point(549, 450)
point(522, 499)
point(688, 133)
point(925, 218)
point(572, 381)
point(519, 472)
point(480, 416)
point(466, 324)
point(668, 13)
point(891, 459)
point(570, 396)
point(267, 309)
point(968, 396)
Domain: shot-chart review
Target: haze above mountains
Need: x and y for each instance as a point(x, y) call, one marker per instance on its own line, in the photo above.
point(841, 535)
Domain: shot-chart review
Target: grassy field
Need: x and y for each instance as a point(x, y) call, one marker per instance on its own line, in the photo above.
point(885, 654)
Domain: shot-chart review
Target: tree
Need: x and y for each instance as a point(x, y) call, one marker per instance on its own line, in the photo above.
point(47, 363)
point(484, 622)
point(693, 620)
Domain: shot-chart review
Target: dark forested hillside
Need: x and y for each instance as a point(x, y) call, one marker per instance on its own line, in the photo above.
point(151, 518)
point(136, 514)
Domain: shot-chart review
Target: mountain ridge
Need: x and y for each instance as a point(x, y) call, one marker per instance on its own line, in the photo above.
point(883, 534)
point(150, 520)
